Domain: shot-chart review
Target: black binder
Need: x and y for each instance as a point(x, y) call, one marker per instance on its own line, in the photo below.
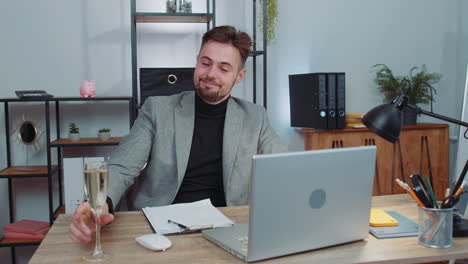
point(340, 100)
point(308, 100)
point(331, 99)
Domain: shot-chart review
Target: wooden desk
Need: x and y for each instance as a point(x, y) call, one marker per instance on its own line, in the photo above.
point(118, 239)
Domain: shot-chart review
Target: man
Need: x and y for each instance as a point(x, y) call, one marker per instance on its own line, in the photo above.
point(198, 144)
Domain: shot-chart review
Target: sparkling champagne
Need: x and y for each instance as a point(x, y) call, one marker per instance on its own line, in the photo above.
point(96, 181)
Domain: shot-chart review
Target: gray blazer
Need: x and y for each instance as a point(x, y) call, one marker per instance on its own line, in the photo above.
point(162, 136)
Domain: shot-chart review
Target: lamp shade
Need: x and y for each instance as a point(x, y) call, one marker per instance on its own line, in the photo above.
point(385, 120)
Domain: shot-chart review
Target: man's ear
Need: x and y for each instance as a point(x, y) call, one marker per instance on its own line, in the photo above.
point(240, 75)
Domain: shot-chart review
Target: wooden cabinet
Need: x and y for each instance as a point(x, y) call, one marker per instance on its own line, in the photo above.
point(422, 148)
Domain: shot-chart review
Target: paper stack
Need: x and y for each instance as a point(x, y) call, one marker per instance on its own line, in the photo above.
point(185, 217)
point(353, 120)
point(406, 227)
point(26, 229)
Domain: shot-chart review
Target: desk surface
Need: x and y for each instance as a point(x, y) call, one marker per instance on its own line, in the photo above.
point(118, 239)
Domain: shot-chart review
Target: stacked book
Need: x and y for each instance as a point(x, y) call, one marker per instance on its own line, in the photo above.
point(354, 120)
point(388, 224)
point(26, 229)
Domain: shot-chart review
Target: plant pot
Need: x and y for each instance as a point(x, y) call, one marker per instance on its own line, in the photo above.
point(104, 136)
point(74, 136)
point(409, 117)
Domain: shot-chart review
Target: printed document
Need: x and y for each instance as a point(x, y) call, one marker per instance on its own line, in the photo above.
point(182, 217)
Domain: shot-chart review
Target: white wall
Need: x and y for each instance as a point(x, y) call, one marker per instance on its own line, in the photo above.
point(351, 36)
point(55, 44)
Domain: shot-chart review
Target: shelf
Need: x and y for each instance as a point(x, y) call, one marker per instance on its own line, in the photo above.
point(60, 210)
point(26, 171)
point(70, 98)
point(9, 242)
point(65, 142)
point(255, 53)
point(142, 17)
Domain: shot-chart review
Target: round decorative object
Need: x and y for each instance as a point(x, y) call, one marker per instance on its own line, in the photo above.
point(27, 133)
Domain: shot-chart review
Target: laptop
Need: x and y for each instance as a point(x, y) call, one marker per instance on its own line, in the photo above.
point(301, 201)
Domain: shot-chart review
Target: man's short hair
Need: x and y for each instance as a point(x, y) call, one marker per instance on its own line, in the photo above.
point(229, 35)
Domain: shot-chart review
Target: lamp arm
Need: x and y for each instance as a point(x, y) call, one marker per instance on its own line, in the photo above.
point(445, 118)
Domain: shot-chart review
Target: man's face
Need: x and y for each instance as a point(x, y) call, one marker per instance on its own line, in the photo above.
point(219, 67)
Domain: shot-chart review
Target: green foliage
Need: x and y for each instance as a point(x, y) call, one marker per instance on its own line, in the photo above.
point(272, 12)
point(420, 84)
point(73, 129)
point(104, 130)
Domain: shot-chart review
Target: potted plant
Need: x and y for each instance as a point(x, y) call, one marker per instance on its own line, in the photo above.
point(104, 134)
point(272, 19)
point(419, 81)
point(73, 132)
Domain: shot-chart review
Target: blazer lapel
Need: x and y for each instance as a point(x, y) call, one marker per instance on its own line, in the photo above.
point(184, 116)
point(231, 137)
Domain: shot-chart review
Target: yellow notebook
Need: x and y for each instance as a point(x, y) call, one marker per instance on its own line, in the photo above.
point(379, 217)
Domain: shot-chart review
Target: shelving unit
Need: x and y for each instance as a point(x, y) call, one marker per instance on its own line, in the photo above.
point(48, 170)
point(210, 19)
point(141, 17)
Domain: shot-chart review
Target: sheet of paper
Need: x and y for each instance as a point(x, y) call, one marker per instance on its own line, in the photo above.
point(196, 215)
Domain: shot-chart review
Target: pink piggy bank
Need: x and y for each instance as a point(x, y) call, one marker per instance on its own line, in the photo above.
point(88, 89)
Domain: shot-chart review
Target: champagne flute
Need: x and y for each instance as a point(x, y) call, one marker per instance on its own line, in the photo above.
point(96, 177)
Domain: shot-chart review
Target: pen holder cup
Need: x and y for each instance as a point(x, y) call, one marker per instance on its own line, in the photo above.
point(435, 227)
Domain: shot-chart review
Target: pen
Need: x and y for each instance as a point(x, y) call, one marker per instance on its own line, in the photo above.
point(460, 179)
point(447, 193)
point(420, 191)
point(406, 187)
point(431, 192)
point(459, 190)
point(448, 201)
point(183, 227)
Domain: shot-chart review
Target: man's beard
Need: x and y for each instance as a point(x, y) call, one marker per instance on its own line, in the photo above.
point(210, 96)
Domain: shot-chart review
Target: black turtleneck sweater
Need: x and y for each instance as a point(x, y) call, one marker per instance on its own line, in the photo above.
point(204, 175)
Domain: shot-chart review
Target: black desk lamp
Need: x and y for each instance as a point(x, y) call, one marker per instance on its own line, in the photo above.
point(387, 120)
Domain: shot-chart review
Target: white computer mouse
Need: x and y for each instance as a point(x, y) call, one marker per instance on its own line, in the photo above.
point(155, 242)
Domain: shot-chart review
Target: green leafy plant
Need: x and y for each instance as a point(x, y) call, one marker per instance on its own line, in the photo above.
point(272, 19)
point(73, 129)
point(104, 130)
point(420, 83)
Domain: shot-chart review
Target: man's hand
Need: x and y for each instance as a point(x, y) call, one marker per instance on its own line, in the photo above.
point(83, 225)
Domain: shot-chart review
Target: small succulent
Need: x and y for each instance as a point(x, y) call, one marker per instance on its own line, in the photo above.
point(104, 130)
point(73, 129)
